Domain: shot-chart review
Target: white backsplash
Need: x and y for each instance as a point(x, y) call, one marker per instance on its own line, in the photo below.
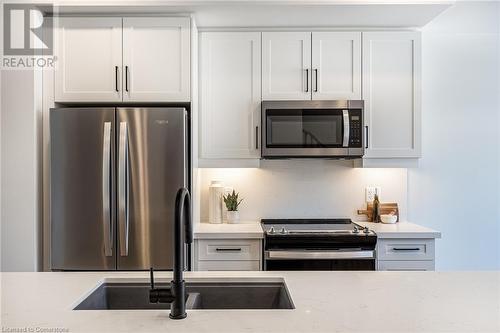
point(305, 188)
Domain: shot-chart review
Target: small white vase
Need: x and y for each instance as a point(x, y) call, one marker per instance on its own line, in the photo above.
point(215, 193)
point(233, 216)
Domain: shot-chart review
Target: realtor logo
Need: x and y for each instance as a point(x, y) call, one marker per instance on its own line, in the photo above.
point(26, 30)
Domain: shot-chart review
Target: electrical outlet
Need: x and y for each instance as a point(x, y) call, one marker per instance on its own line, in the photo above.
point(370, 192)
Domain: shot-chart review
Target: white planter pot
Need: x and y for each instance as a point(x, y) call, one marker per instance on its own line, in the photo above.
point(233, 216)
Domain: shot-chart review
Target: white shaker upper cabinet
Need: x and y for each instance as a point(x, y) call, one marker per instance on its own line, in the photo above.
point(336, 65)
point(156, 59)
point(286, 66)
point(89, 59)
point(391, 91)
point(230, 95)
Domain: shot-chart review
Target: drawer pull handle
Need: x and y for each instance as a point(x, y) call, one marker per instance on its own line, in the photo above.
point(405, 248)
point(232, 249)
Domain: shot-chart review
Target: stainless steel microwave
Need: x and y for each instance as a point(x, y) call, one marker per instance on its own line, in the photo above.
point(305, 129)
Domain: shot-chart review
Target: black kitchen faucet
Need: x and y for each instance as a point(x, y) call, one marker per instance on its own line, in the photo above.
point(176, 294)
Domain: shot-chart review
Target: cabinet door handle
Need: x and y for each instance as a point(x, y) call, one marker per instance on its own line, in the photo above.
point(256, 137)
point(366, 137)
point(126, 78)
point(228, 249)
point(316, 80)
point(405, 248)
point(307, 79)
point(116, 78)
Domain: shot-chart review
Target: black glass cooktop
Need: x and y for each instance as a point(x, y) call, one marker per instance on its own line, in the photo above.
point(309, 226)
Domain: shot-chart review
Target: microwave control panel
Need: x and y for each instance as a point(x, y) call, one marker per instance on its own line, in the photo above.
point(355, 128)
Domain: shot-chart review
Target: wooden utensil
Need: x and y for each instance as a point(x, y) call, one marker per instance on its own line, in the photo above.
point(384, 208)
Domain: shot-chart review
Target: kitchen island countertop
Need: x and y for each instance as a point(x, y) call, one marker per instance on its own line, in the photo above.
point(324, 302)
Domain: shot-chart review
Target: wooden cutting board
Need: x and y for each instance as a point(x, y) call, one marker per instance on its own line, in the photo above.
point(384, 208)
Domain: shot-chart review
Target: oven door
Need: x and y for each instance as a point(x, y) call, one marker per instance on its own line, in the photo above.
point(284, 260)
point(303, 129)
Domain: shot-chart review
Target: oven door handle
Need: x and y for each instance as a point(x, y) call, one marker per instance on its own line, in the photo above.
point(274, 255)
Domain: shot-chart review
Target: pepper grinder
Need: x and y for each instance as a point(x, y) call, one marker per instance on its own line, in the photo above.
point(376, 209)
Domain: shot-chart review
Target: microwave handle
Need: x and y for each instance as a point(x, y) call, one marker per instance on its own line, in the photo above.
point(345, 114)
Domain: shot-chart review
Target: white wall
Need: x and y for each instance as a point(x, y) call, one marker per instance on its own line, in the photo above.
point(305, 188)
point(19, 208)
point(456, 187)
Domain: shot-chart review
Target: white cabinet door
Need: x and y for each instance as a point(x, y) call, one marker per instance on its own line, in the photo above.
point(89, 59)
point(391, 90)
point(423, 265)
point(156, 59)
point(230, 86)
point(227, 265)
point(286, 66)
point(336, 65)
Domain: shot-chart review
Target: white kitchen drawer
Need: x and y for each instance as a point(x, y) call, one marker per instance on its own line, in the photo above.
point(228, 265)
point(229, 249)
point(405, 249)
point(398, 265)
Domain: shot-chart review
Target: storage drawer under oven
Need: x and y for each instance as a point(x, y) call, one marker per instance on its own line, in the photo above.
point(320, 265)
point(319, 260)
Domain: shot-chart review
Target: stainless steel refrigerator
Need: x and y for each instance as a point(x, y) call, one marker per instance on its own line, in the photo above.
point(114, 176)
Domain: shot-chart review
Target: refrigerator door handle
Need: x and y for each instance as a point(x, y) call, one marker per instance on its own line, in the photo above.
point(123, 189)
point(106, 191)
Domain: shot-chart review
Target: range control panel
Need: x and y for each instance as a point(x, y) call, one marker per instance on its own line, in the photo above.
point(355, 128)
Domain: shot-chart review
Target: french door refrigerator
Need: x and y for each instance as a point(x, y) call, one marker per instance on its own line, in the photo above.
point(114, 176)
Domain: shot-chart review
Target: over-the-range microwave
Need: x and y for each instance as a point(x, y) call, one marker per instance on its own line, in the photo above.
point(307, 129)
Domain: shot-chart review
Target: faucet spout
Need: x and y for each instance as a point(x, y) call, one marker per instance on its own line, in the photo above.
point(183, 234)
point(182, 223)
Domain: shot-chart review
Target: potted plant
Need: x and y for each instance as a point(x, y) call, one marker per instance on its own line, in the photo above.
point(232, 202)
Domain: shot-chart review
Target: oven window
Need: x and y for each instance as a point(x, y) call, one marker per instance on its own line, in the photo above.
point(304, 128)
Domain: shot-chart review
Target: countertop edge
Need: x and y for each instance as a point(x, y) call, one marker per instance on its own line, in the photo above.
point(252, 230)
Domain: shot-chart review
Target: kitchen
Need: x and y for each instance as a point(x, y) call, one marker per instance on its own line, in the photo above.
point(399, 77)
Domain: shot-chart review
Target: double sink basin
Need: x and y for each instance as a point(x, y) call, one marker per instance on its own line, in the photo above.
point(113, 295)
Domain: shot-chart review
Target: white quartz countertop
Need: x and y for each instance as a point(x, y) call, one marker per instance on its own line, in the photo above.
point(228, 231)
point(401, 230)
point(254, 230)
point(324, 302)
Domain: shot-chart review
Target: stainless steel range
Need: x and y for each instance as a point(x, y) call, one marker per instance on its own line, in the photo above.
point(317, 244)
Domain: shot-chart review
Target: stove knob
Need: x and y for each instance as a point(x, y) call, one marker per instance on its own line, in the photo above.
point(283, 231)
point(366, 230)
point(356, 230)
point(272, 231)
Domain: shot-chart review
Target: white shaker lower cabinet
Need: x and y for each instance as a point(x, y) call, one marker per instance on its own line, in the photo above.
point(89, 59)
point(286, 66)
point(230, 95)
point(227, 255)
point(156, 59)
point(336, 65)
point(391, 91)
point(405, 254)
point(385, 265)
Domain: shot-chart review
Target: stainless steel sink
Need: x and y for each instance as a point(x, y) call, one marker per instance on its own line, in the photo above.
point(201, 295)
